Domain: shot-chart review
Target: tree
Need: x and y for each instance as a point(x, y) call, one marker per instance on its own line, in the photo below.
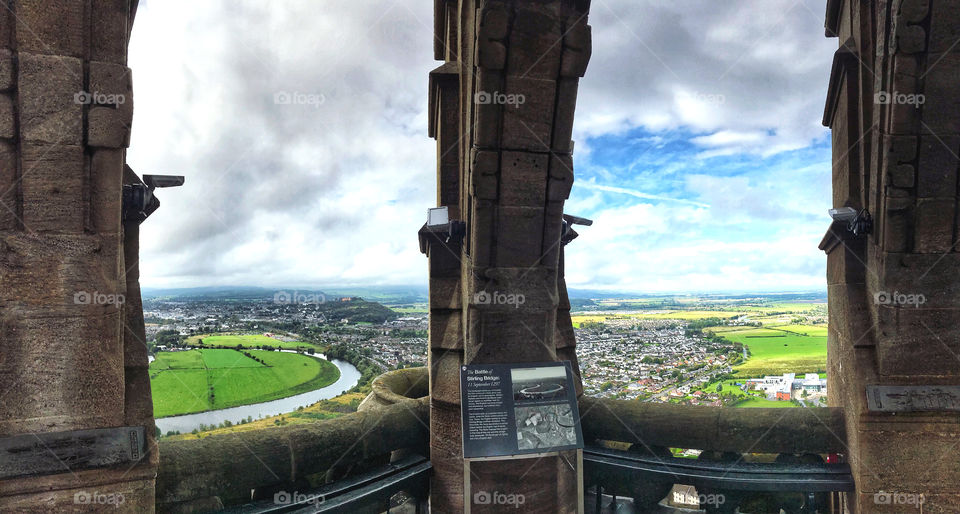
point(719, 387)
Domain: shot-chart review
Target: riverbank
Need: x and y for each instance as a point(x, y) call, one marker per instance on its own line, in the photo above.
point(349, 378)
point(324, 409)
point(202, 380)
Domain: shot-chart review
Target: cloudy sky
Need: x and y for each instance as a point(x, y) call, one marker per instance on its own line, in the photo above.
point(699, 153)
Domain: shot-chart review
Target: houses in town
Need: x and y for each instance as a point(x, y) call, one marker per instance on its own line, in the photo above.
point(788, 387)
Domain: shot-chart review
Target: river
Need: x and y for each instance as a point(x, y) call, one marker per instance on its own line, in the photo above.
point(349, 376)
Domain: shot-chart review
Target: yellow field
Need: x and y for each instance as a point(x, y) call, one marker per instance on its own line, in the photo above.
point(673, 314)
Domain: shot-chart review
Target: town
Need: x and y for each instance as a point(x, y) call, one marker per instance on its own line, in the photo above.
point(660, 360)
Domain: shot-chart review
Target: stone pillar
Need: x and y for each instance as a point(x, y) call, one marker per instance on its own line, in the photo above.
point(894, 109)
point(72, 355)
point(503, 105)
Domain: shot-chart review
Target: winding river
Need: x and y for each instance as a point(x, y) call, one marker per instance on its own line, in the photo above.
point(349, 376)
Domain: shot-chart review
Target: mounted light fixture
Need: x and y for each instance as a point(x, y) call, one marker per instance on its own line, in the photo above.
point(439, 222)
point(858, 222)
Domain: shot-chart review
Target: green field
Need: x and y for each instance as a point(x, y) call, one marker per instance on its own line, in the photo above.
point(664, 315)
point(208, 379)
point(247, 340)
point(780, 349)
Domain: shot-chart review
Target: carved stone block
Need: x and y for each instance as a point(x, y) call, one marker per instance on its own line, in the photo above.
point(8, 186)
point(7, 118)
point(941, 108)
point(520, 230)
point(528, 125)
point(563, 118)
point(108, 35)
point(486, 132)
point(537, 35)
point(561, 178)
point(7, 79)
point(446, 330)
point(55, 28)
point(484, 222)
point(108, 123)
point(934, 221)
point(523, 178)
point(52, 185)
point(937, 172)
point(944, 29)
point(577, 47)
point(911, 38)
point(106, 194)
point(445, 375)
point(51, 108)
point(901, 175)
point(484, 174)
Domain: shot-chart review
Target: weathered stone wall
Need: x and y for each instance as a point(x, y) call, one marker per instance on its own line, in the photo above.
point(897, 156)
point(70, 357)
point(502, 113)
point(199, 475)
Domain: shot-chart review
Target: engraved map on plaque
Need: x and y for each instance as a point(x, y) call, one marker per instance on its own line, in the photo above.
point(913, 398)
point(515, 409)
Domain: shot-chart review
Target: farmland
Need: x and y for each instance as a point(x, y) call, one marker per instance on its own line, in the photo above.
point(208, 379)
point(779, 349)
point(245, 340)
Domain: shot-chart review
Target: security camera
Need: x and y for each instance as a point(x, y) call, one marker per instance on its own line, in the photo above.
point(577, 220)
point(567, 233)
point(139, 202)
point(155, 181)
point(858, 222)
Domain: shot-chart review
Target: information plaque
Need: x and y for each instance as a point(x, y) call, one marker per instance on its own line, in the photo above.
point(882, 398)
point(518, 409)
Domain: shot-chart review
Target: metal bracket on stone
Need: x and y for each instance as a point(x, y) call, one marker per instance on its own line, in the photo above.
point(61, 452)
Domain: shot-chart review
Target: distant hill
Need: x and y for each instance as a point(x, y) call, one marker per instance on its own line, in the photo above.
point(356, 310)
point(394, 295)
point(593, 294)
point(385, 294)
point(210, 293)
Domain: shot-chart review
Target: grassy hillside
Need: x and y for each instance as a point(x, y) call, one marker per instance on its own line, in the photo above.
point(247, 340)
point(200, 380)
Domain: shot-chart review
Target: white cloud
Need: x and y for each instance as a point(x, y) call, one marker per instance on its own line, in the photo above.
point(333, 191)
